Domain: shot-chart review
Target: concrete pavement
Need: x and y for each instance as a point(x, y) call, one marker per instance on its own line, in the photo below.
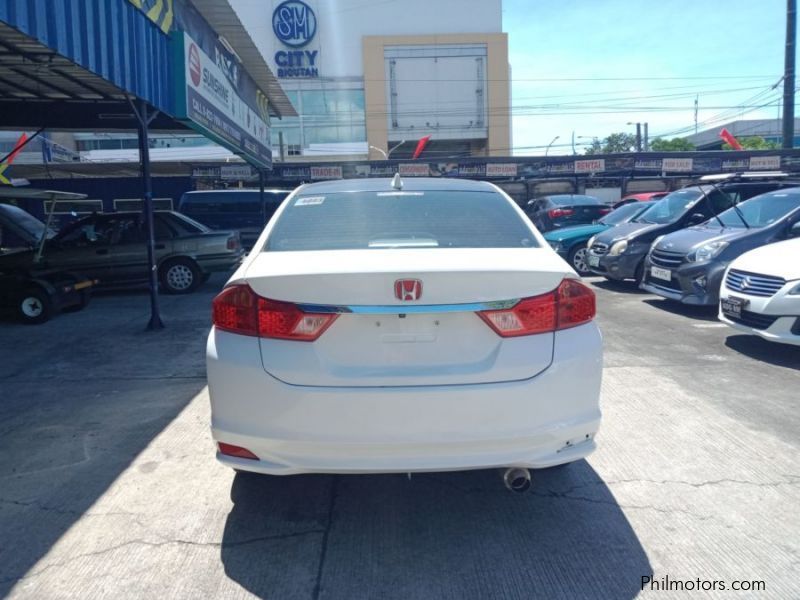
point(108, 487)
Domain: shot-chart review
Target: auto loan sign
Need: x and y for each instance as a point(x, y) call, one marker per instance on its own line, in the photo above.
point(218, 108)
point(295, 25)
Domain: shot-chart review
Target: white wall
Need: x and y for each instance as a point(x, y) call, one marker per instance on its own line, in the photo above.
point(342, 23)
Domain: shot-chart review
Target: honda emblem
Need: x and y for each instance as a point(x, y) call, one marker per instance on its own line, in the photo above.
point(408, 289)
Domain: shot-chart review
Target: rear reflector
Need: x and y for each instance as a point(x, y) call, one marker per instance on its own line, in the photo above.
point(569, 305)
point(237, 451)
point(238, 309)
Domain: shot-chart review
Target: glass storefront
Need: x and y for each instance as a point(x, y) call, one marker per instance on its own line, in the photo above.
point(327, 116)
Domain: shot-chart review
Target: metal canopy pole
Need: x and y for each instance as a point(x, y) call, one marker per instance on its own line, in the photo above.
point(261, 197)
point(143, 121)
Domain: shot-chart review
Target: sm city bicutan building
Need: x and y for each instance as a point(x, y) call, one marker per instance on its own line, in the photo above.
point(370, 78)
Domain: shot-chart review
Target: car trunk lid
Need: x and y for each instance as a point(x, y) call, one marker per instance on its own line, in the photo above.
point(381, 340)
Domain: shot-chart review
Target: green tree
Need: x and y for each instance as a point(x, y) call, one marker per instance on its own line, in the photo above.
point(755, 142)
point(614, 143)
point(674, 145)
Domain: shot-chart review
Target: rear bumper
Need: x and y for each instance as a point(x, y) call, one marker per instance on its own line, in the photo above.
point(540, 422)
point(687, 284)
point(220, 262)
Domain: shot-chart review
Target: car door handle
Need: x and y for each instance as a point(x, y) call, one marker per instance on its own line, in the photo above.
point(102, 251)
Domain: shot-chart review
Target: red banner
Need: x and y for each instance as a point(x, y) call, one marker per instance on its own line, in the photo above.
point(732, 141)
point(421, 146)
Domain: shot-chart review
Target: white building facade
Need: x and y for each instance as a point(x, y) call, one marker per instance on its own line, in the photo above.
point(368, 78)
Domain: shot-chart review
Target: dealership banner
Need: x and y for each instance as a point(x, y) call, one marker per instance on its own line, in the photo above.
point(211, 100)
point(533, 167)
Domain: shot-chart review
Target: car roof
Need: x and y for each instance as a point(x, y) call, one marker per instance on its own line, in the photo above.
point(384, 184)
point(237, 191)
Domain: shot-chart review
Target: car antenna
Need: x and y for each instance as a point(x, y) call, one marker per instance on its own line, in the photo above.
point(733, 206)
point(397, 183)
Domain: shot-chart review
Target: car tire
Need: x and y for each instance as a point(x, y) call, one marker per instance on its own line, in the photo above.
point(180, 276)
point(34, 306)
point(578, 256)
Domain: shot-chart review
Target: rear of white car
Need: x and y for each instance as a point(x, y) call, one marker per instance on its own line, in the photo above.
point(760, 293)
point(379, 329)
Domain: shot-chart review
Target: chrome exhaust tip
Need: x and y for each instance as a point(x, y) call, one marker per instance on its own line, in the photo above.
point(517, 479)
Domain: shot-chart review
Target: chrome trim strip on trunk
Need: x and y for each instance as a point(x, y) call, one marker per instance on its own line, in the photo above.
point(402, 309)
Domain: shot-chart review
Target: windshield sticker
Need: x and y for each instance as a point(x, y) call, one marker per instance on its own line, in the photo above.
point(310, 201)
point(401, 193)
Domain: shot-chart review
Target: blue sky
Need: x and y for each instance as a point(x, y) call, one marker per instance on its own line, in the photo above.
point(654, 56)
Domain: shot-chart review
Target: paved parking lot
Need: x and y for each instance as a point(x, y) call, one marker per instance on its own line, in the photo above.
point(108, 487)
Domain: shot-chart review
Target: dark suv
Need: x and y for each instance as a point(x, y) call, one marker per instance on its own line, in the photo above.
point(688, 265)
point(619, 253)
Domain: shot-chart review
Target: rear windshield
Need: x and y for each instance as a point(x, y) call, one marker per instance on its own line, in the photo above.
point(761, 211)
point(574, 200)
point(431, 219)
point(671, 207)
point(625, 213)
point(228, 202)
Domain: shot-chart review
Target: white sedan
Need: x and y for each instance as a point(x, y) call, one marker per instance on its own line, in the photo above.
point(761, 292)
point(390, 326)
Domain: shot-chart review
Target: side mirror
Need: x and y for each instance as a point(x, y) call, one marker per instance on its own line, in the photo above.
point(794, 230)
point(696, 219)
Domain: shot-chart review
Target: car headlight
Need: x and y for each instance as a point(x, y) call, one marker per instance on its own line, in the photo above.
point(555, 245)
point(618, 248)
point(590, 243)
point(707, 252)
point(795, 291)
point(655, 242)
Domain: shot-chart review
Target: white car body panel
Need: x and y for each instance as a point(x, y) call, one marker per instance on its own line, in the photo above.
point(394, 386)
point(782, 260)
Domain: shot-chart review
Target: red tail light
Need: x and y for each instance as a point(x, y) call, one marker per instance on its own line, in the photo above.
point(237, 451)
point(239, 309)
point(233, 242)
point(569, 305)
point(554, 213)
point(605, 211)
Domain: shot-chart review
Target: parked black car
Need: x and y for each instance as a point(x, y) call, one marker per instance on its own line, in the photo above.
point(619, 253)
point(37, 296)
point(688, 265)
point(562, 210)
point(111, 248)
point(234, 210)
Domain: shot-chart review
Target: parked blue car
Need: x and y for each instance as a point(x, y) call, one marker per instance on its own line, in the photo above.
point(571, 242)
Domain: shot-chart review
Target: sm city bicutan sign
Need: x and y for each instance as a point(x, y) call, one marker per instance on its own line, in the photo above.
point(295, 25)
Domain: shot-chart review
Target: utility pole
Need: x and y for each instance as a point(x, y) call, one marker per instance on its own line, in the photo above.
point(696, 102)
point(638, 137)
point(646, 140)
point(788, 74)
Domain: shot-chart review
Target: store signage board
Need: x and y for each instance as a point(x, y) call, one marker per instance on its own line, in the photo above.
point(218, 106)
point(295, 25)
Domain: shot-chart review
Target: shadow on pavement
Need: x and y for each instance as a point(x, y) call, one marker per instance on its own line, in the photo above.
point(82, 396)
point(780, 355)
point(454, 535)
point(699, 313)
point(623, 287)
